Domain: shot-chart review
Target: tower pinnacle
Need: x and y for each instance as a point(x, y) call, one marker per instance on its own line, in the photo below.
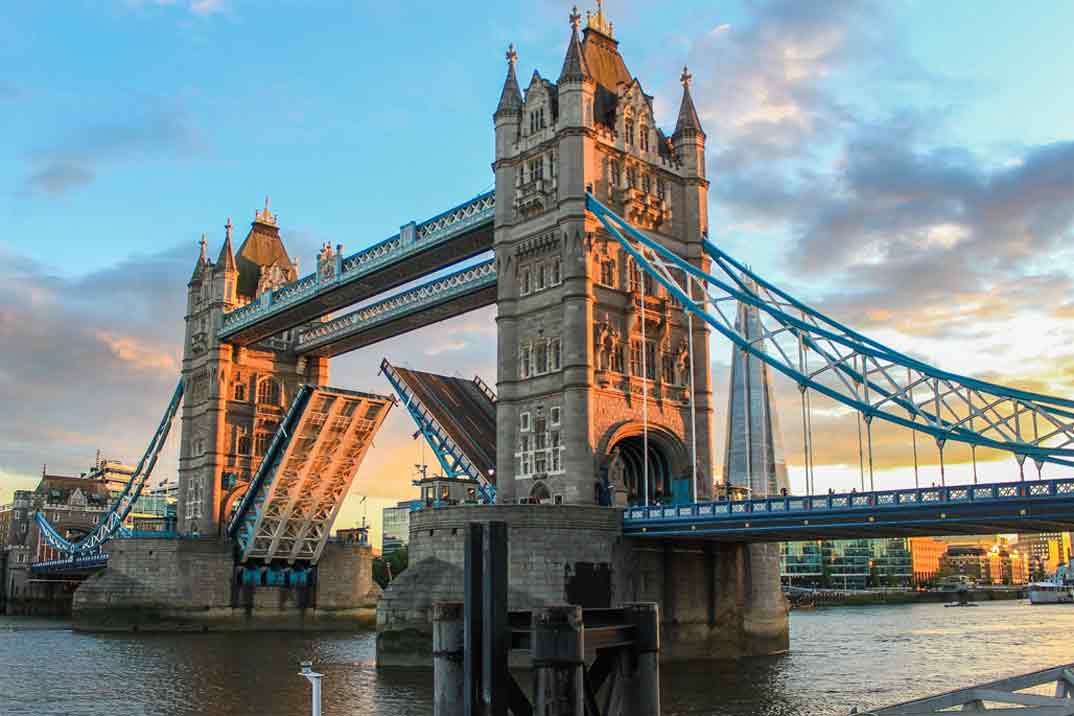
point(598, 22)
point(689, 123)
point(575, 68)
point(202, 243)
point(265, 216)
point(511, 96)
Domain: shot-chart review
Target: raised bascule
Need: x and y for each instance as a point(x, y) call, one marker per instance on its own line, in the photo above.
point(596, 446)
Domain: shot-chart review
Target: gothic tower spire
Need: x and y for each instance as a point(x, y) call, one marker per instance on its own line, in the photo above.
point(689, 124)
point(575, 68)
point(511, 96)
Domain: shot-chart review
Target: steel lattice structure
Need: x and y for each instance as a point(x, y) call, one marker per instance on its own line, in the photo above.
point(293, 499)
point(452, 458)
point(111, 523)
point(821, 354)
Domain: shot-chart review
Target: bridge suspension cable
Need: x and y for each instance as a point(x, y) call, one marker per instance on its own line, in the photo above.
point(111, 522)
point(856, 371)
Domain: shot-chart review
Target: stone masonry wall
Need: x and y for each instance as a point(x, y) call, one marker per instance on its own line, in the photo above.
point(716, 600)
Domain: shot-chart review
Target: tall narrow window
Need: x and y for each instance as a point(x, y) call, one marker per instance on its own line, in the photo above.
point(554, 355)
point(542, 277)
point(617, 174)
point(240, 389)
point(607, 273)
point(524, 362)
point(632, 177)
point(541, 358)
point(524, 282)
point(667, 364)
point(644, 138)
point(635, 358)
point(632, 275)
point(616, 357)
point(646, 184)
point(629, 126)
point(557, 271)
point(268, 391)
point(650, 360)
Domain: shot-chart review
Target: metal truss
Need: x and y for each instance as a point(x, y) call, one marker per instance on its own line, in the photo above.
point(299, 487)
point(411, 240)
point(821, 354)
point(453, 460)
point(111, 523)
point(405, 303)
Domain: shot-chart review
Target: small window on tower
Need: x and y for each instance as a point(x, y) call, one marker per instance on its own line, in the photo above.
point(554, 354)
point(524, 422)
point(553, 413)
point(240, 389)
point(542, 276)
point(556, 272)
point(524, 282)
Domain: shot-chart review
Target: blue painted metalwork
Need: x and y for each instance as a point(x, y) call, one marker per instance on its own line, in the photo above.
point(405, 303)
point(940, 509)
point(412, 240)
point(112, 521)
point(71, 564)
point(854, 370)
point(453, 461)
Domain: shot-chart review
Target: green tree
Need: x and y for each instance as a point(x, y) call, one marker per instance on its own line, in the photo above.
point(385, 569)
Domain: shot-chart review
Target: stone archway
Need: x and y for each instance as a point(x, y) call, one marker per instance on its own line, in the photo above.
point(626, 455)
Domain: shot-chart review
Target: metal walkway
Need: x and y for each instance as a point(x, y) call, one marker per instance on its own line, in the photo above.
point(1037, 506)
point(417, 250)
point(287, 512)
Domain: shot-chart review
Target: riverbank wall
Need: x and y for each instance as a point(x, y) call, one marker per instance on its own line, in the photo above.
point(193, 585)
point(717, 601)
point(881, 597)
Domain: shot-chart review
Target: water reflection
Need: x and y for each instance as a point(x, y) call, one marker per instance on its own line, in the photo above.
point(841, 658)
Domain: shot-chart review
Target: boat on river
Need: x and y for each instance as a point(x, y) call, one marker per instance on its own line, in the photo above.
point(1057, 590)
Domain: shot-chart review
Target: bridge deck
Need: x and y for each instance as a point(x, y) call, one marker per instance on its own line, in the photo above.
point(418, 250)
point(293, 499)
point(1038, 506)
point(463, 409)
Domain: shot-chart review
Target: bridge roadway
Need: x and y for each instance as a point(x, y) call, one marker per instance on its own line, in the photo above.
point(418, 250)
point(1033, 506)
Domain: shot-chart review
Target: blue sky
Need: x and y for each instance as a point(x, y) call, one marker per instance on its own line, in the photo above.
point(906, 166)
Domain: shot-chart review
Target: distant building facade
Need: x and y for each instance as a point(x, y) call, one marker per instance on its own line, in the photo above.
point(925, 556)
point(998, 565)
point(395, 530)
point(847, 564)
point(1045, 552)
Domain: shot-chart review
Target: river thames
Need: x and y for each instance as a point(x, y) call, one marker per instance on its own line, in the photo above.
point(841, 657)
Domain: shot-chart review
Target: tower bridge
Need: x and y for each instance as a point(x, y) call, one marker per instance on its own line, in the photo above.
point(596, 445)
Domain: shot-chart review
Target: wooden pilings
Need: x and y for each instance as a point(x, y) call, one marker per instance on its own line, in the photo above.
point(594, 662)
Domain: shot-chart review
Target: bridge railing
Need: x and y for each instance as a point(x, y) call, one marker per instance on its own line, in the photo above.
point(413, 239)
point(404, 303)
point(894, 499)
point(92, 561)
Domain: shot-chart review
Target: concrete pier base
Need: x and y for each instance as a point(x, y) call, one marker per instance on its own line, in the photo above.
point(717, 601)
point(190, 585)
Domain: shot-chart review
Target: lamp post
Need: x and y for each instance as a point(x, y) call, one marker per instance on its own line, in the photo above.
point(315, 679)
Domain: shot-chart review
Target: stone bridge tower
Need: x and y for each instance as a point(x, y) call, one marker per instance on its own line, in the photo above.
point(234, 397)
point(572, 308)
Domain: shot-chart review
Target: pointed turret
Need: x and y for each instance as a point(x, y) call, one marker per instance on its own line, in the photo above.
point(689, 123)
point(200, 265)
point(511, 96)
point(226, 260)
point(575, 68)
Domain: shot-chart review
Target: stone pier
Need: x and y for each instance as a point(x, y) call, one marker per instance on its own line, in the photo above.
point(717, 601)
point(191, 585)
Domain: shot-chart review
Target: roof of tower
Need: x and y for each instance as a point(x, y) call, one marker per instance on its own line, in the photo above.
point(602, 57)
point(511, 96)
point(200, 264)
point(226, 260)
point(575, 67)
point(262, 247)
point(689, 122)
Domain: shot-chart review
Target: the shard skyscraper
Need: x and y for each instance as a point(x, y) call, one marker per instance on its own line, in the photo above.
point(753, 457)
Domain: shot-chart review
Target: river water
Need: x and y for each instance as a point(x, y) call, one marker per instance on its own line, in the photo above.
point(840, 657)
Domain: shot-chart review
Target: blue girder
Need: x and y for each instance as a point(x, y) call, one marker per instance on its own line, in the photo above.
point(452, 460)
point(861, 373)
point(111, 523)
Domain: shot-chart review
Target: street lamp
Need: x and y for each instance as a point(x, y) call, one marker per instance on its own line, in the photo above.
point(315, 679)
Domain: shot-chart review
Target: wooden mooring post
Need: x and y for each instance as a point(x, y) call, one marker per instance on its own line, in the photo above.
point(586, 662)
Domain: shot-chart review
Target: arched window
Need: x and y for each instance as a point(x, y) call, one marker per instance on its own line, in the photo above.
point(268, 391)
point(240, 388)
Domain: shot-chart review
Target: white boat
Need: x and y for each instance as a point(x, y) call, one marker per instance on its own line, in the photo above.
point(1051, 593)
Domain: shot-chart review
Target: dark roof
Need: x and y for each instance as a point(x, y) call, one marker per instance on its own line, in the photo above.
point(574, 64)
point(463, 409)
point(262, 247)
point(511, 96)
point(602, 57)
point(688, 122)
point(226, 260)
point(60, 487)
